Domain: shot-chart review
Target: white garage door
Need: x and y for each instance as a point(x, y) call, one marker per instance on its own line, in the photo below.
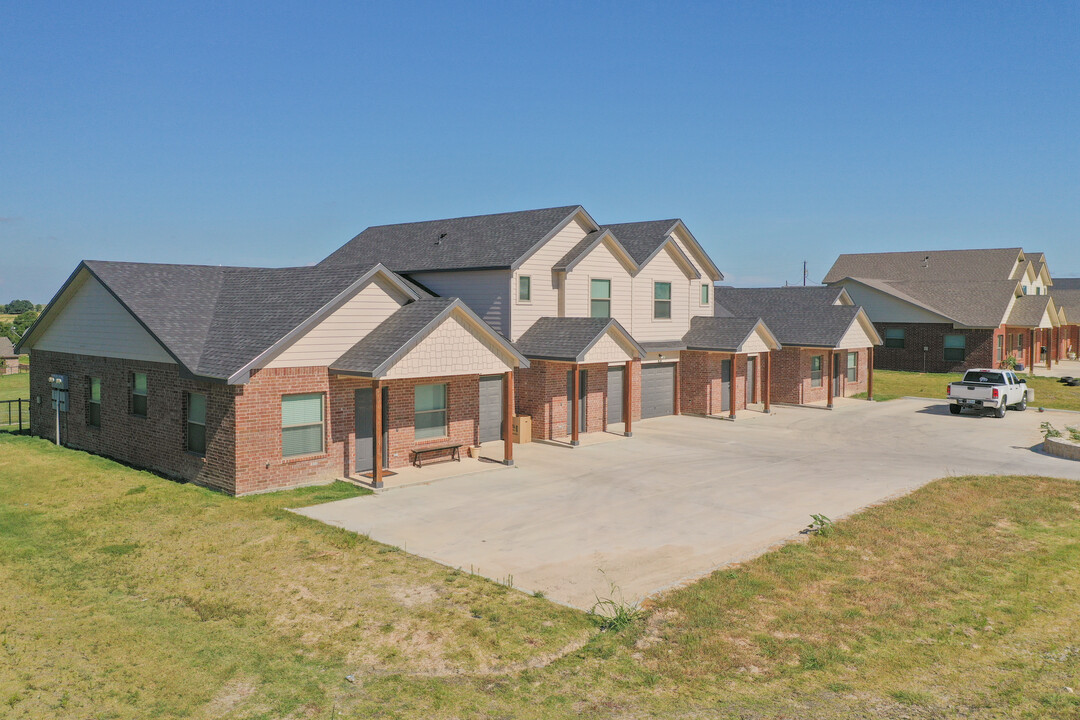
point(657, 390)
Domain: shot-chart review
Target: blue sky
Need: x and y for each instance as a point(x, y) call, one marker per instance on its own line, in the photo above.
point(270, 133)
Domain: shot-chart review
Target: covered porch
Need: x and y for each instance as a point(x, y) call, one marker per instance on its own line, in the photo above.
point(726, 367)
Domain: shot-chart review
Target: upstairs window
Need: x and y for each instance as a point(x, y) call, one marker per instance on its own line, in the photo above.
point(815, 371)
point(894, 337)
point(955, 348)
point(599, 298)
point(705, 294)
point(138, 394)
point(662, 301)
point(93, 402)
point(853, 367)
point(196, 423)
point(301, 424)
point(524, 288)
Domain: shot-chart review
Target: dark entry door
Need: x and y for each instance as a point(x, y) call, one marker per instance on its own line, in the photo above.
point(725, 386)
point(751, 368)
point(491, 408)
point(365, 428)
point(836, 375)
point(615, 394)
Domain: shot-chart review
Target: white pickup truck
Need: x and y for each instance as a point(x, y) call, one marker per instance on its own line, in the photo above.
point(988, 390)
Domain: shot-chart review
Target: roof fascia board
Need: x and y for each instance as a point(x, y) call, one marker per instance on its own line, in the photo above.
point(715, 275)
point(340, 299)
point(579, 210)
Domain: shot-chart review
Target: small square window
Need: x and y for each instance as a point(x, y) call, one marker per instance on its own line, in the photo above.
point(894, 337)
point(138, 394)
point(955, 348)
point(662, 300)
point(524, 288)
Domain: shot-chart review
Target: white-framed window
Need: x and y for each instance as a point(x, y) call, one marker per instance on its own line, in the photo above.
point(853, 367)
point(661, 301)
point(599, 298)
point(301, 424)
point(196, 423)
point(430, 409)
point(705, 292)
point(815, 371)
point(93, 402)
point(138, 394)
point(524, 288)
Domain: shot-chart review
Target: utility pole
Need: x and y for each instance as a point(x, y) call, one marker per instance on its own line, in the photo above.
point(804, 273)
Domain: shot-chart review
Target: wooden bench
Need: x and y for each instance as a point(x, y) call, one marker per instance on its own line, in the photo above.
point(418, 455)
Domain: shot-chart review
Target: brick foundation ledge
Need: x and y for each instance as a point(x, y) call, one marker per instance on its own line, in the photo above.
point(1061, 447)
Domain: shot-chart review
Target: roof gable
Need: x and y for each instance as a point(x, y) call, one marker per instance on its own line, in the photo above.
point(569, 339)
point(729, 334)
point(801, 316)
point(644, 240)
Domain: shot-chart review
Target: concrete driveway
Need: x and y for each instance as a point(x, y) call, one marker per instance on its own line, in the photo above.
point(686, 495)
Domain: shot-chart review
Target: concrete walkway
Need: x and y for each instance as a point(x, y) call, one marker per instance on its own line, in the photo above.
point(686, 495)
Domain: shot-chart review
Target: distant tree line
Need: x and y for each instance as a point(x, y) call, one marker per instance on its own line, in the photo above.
point(25, 313)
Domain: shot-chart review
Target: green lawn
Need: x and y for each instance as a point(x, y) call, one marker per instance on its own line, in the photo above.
point(891, 384)
point(15, 386)
point(126, 595)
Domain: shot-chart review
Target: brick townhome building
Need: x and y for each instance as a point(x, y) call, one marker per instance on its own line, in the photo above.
point(1066, 295)
point(949, 310)
point(828, 342)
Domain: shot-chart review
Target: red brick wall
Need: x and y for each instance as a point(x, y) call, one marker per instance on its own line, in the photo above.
point(701, 381)
point(462, 418)
point(1072, 339)
point(980, 348)
point(156, 442)
point(791, 381)
point(540, 392)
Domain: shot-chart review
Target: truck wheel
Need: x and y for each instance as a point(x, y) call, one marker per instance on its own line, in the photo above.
point(1000, 411)
point(1022, 405)
point(954, 409)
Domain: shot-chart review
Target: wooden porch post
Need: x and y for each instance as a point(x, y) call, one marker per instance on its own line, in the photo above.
point(628, 407)
point(1031, 350)
point(377, 468)
point(870, 374)
point(1047, 338)
point(767, 378)
point(508, 417)
point(732, 395)
point(574, 411)
point(829, 372)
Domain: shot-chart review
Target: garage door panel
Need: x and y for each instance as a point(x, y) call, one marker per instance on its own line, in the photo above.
point(657, 390)
point(491, 408)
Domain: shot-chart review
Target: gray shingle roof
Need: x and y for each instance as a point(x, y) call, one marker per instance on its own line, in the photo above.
point(567, 338)
point(928, 265)
point(1028, 311)
point(7, 349)
point(1066, 284)
point(392, 336)
point(1068, 298)
point(641, 239)
point(800, 316)
point(721, 334)
point(575, 252)
point(215, 320)
point(974, 304)
point(479, 241)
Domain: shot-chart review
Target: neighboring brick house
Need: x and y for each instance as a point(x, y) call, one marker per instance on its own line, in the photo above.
point(254, 379)
point(1066, 294)
point(9, 359)
point(949, 310)
point(828, 343)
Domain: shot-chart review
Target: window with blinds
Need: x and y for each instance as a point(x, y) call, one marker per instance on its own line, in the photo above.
point(301, 424)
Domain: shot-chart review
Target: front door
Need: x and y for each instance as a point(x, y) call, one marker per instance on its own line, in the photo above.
point(364, 407)
point(725, 386)
point(751, 366)
point(615, 394)
point(491, 408)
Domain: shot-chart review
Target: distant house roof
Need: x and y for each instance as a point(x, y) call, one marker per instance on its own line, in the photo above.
point(928, 265)
point(726, 334)
point(569, 339)
point(798, 316)
point(7, 349)
point(1028, 311)
point(1066, 284)
point(465, 243)
point(216, 321)
point(391, 340)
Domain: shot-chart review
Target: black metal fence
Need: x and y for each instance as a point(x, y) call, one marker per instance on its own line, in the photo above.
point(15, 415)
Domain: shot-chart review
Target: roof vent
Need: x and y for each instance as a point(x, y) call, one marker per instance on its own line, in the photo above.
point(926, 262)
point(441, 236)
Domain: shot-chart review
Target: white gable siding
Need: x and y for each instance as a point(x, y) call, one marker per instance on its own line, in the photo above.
point(343, 328)
point(608, 350)
point(600, 264)
point(92, 322)
point(545, 289)
point(486, 292)
point(455, 347)
point(885, 308)
point(661, 268)
point(855, 338)
point(756, 343)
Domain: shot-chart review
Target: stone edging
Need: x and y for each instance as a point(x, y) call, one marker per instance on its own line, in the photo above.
point(1060, 447)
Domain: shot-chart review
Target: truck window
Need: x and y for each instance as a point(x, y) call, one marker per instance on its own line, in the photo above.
point(984, 377)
